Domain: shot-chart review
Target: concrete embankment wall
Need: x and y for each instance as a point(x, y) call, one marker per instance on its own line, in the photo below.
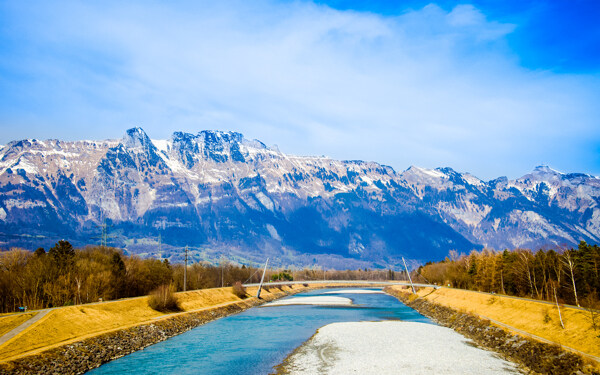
point(83, 349)
point(536, 356)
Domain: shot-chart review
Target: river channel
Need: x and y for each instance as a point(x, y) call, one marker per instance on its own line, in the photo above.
point(256, 340)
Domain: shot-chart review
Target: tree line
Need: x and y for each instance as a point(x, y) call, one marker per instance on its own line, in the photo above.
point(569, 276)
point(64, 275)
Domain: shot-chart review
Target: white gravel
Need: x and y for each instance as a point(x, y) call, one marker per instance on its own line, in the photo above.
point(355, 291)
point(392, 347)
point(316, 300)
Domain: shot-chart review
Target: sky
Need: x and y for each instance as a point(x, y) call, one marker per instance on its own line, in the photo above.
point(493, 88)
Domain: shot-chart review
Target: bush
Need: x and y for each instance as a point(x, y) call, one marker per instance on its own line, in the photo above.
point(282, 276)
point(546, 315)
point(163, 299)
point(239, 290)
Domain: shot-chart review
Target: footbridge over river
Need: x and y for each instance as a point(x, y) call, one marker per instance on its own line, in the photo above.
point(344, 282)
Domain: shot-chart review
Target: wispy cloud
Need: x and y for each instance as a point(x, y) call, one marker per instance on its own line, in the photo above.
point(430, 87)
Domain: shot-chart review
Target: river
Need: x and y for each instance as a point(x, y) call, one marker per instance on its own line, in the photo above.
point(256, 340)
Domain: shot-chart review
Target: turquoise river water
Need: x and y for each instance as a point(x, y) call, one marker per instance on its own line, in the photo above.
point(256, 340)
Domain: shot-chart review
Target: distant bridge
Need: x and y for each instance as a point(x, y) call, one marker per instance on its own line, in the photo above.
point(354, 282)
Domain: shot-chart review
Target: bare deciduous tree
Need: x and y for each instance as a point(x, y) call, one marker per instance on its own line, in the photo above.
point(569, 263)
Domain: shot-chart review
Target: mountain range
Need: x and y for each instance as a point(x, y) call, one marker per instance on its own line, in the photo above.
point(228, 197)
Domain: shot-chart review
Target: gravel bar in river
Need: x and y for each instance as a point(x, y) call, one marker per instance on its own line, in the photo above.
point(391, 347)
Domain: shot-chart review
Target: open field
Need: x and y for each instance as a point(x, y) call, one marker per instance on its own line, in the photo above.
point(73, 323)
point(536, 318)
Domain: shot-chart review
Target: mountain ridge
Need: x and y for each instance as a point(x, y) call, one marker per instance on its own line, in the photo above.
point(226, 195)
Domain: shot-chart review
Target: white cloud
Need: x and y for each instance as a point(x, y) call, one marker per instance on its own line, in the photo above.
point(431, 87)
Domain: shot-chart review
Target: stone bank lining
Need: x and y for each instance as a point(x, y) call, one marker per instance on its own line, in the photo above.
point(536, 356)
point(82, 356)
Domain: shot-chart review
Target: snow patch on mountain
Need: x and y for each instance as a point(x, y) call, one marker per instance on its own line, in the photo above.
point(534, 223)
point(469, 178)
point(22, 204)
point(466, 211)
point(273, 232)
point(25, 165)
point(593, 224)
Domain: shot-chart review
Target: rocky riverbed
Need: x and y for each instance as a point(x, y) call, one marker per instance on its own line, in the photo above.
point(391, 347)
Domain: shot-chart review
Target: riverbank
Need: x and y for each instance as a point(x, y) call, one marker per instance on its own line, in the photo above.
point(461, 310)
point(391, 347)
point(75, 339)
point(256, 340)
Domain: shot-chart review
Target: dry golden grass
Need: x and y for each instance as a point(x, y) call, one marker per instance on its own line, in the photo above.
point(10, 322)
point(198, 299)
point(72, 323)
point(533, 317)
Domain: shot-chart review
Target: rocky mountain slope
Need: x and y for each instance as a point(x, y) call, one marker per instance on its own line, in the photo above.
point(227, 196)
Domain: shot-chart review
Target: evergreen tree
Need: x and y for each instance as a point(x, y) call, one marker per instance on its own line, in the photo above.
point(63, 255)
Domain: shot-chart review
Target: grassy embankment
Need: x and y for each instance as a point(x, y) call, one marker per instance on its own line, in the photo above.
point(73, 323)
point(536, 318)
point(9, 322)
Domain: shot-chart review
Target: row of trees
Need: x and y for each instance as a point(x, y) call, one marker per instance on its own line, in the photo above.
point(571, 276)
point(65, 276)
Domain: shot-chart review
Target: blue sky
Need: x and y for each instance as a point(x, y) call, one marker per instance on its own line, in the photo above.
point(489, 87)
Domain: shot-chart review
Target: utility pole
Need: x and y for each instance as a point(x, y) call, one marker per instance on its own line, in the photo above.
point(222, 262)
point(159, 246)
point(262, 279)
point(185, 270)
point(409, 279)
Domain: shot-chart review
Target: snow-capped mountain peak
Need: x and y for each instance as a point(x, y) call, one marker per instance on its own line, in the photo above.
point(217, 190)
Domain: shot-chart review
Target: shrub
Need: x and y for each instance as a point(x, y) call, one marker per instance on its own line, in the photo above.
point(163, 299)
point(282, 276)
point(239, 290)
point(546, 314)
